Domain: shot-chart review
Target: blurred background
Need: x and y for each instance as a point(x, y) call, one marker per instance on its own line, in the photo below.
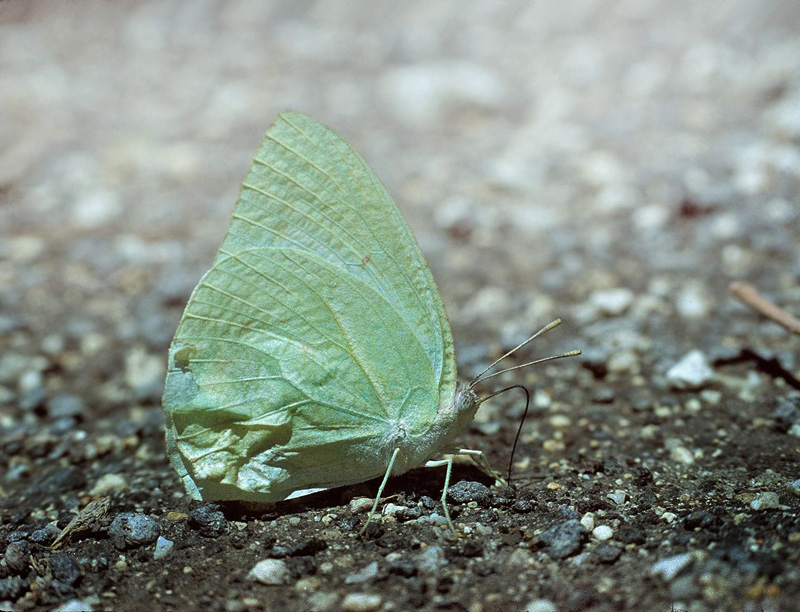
point(615, 163)
point(575, 159)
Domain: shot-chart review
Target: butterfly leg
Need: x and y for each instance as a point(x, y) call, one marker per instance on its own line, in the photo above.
point(380, 491)
point(448, 461)
point(482, 463)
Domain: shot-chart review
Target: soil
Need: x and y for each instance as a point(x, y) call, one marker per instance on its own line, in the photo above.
point(614, 164)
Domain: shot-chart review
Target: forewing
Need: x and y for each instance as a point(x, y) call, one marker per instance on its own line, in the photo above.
point(308, 189)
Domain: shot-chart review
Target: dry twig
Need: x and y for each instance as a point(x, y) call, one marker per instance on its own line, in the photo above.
point(752, 298)
point(93, 511)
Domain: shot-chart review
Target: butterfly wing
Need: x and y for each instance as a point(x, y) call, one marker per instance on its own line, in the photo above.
point(317, 326)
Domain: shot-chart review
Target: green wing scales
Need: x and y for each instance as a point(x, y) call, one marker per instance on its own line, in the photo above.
point(318, 323)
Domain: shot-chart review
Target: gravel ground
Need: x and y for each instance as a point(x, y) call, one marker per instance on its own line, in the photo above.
point(613, 163)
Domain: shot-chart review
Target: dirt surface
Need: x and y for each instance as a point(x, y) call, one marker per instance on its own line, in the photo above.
point(613, 163)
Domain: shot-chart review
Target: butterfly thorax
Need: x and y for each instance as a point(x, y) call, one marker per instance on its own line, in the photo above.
point(418, 447)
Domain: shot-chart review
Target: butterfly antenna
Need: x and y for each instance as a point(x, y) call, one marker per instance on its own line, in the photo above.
point(480, 377)
point(530, 363)
point(521, 423)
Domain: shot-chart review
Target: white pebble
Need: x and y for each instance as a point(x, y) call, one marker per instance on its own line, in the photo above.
point(420, 94)
point(365, 574)
point(650, 217)
point(560, 421)
point(587, 520)
point(30, 380)
point(625, 360)
point(163, 547)
point(670, 567)
point(431, 559)
point(270, 572)
point(541, 605)
point(618, 497)
point(681, 454)
point(361, 602)
point(612, 302)
point(108, 483)
point(691, 372)
point(694, 301)
point(143, 369)
point(391, 509)
point(603, 532)
point(76, 605)
point(669, 517)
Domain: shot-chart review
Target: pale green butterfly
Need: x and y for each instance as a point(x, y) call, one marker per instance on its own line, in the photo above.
point(316, 351)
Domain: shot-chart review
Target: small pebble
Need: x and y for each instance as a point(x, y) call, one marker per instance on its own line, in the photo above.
point(45, 535)
point(466, 491)
point(421, 93)
point(107, 484)
point(323, 601)
point(394, 510)
point(691, 372)
point(693, 301)
point(401, 567)
point(30, 380)
point(427, 502)
point(794, 488)
point(12, 588)
point(77, 605)
point(604, 395)
point(679, 453)
point(669, 517)
point(563, 540)
point(437, 519)
point(560, 421)
point(603, 532)
point(618, 497)
point(361, 504)
point(541, 605)
point(612, 302)
point(163, 548)
point(553, 446)
point(65, 405)
point(431, 559)
point(523, 506)
point(684, 588)
point(765, 501)
point(270, 572)
point(624, 360)
point(65, 569)
point(143, 369)
point(607, 553)
point(16, 536)
point(365, 574)
point(699, 519)
point(209, 520)
point(129, 530)
point(670, 567)
point(17, 556)
point(361, 602)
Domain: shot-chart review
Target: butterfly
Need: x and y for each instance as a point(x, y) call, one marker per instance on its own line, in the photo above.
point(316, 352)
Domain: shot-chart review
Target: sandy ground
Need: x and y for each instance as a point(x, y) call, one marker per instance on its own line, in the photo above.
point(616, 164)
